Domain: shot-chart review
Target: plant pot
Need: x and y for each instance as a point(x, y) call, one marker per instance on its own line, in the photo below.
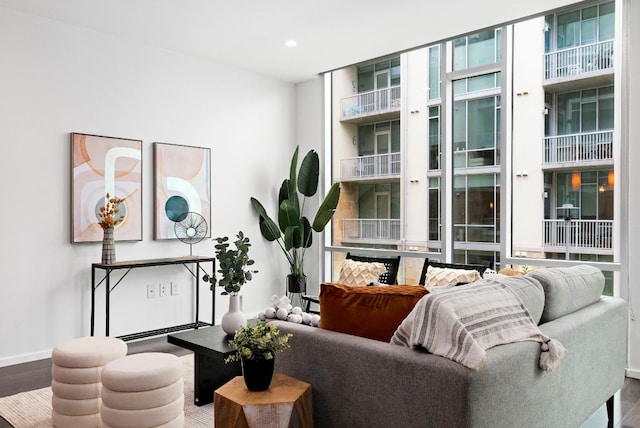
point(257, 373)
point(108, 246)
point(234, 319)
point(296, 283)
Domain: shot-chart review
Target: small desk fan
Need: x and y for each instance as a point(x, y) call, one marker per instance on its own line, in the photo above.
point(191, 229)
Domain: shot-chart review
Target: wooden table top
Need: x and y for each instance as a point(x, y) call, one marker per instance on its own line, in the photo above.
point(283, 389)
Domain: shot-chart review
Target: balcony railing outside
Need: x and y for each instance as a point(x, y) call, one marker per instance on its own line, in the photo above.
point(579, 234)
point(589, 146)
point(367, 103)
point(578, 60)
point(375, 166)
point(371, 229)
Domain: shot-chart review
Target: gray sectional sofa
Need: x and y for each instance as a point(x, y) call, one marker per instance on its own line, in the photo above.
point(360, 382)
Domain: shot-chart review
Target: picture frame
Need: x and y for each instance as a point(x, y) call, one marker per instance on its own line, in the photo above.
point(101, 165)
point(182, 184)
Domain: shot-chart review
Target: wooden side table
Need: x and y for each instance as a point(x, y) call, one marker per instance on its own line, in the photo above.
point(287, 403)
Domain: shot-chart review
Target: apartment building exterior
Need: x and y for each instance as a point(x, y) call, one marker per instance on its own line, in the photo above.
point(424, 143)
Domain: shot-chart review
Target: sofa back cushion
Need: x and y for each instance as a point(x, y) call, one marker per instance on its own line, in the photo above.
point(528, 289)
point(568, 289)
point(374, 312)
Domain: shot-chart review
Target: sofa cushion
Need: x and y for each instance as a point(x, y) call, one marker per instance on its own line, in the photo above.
point(360, 273)
point(528, 289)
point(437, 276)
point(568, 289)
point(373, 312)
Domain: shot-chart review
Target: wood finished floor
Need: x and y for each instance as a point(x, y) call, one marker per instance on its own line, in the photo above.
point(37, 374)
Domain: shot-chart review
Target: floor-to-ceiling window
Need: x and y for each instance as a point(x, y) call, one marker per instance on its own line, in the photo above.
point(577, 174)
point(475, 118)
point(367, 154)
point(505, 152)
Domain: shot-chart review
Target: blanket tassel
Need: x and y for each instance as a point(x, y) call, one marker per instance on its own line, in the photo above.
point(551, 352)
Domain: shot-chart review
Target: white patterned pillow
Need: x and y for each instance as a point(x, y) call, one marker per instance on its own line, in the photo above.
point(437, 277)
point(360, 273)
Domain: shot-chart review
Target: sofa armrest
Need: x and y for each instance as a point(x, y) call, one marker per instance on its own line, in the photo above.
point(510, 389)
point(350, 375)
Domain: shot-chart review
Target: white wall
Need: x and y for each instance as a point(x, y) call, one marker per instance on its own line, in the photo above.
point(56, 79)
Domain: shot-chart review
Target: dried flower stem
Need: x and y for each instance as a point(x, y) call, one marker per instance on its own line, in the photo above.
point(108, 212)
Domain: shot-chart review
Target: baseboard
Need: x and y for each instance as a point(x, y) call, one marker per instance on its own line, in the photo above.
point(635, 374)
point(24, 358)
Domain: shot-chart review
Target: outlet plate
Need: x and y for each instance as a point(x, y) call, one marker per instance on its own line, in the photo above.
point(175, 288)
point(151, 291)
point(162, 289)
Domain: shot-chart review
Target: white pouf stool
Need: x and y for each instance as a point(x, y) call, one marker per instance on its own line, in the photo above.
point(75, 379)
point(143, 390)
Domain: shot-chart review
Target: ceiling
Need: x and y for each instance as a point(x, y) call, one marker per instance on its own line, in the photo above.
point(251, 34)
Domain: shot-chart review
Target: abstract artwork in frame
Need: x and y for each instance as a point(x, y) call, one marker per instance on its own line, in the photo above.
point(182, 184)
point(102, 165)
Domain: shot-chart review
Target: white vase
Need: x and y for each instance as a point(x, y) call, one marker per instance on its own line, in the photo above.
point(234, 319)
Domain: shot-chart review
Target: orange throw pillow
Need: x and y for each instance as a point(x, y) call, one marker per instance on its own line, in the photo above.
point(374, 312)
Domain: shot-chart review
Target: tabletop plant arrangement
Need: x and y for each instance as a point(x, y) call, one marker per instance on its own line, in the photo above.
point(234, 273)
point(256, 346)
point(110, 217)
point(293, 232)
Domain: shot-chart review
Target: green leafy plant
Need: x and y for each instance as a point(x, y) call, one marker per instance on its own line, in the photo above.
point(232, 264)
point(293, 232)
point(258, 341)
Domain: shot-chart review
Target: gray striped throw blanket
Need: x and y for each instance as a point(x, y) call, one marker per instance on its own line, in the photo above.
point(460, 323)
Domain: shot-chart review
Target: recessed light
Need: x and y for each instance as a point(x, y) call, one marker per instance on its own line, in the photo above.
point(291, 43)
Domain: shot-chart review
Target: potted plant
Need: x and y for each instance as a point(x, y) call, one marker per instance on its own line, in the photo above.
point(232, 267)
point(256, 347)
point(293, 232)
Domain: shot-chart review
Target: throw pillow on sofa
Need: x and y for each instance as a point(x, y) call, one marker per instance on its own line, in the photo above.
point(372, 312)
point(437, 277)
point(360, 273)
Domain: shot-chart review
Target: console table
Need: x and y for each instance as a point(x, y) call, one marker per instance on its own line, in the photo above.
point(126, 266)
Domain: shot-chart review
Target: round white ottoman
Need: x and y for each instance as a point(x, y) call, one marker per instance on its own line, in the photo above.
point(143, 390)
point(75, 373)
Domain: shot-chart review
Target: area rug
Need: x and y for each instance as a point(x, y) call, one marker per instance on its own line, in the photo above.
point(32, 409)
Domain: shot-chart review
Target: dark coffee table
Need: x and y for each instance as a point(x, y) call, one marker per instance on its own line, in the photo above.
point(210, 346)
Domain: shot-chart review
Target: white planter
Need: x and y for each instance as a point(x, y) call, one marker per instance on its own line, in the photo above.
point(234, 319)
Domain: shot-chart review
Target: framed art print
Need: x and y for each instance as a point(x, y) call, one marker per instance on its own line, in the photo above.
point(182, 184)
point(102, 165)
